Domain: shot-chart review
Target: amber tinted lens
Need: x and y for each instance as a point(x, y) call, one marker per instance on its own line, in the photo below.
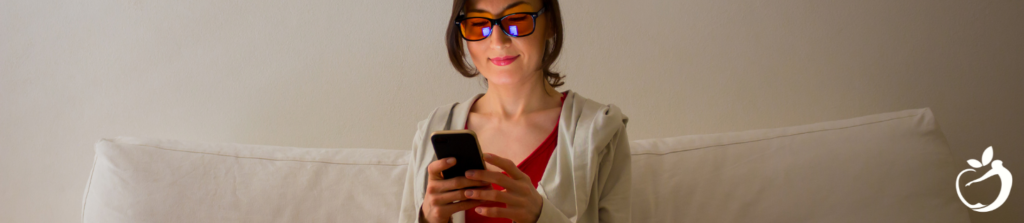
point(476, 28)
point(518, 24)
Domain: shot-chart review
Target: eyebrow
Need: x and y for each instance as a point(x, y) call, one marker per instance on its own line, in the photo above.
point(506, 7)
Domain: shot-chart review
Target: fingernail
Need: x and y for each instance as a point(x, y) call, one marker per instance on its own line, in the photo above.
point(488, 155)
point(451, 161)
point(469, 193)
point(479, 210)
point(470, 173)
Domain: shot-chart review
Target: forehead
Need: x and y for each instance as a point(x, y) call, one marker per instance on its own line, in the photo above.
point(499, 7)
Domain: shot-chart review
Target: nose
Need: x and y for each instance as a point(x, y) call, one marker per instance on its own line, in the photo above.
point(499, 40)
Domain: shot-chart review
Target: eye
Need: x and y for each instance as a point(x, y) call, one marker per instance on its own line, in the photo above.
point(478, 24)
point(517, 18)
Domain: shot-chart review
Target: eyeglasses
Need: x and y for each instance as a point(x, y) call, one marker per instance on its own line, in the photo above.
point(514, 25)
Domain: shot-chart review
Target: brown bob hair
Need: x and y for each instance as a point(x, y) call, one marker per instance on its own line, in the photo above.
point(552, 47)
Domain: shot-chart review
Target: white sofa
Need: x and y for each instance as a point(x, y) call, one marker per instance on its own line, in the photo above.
point(891, 167)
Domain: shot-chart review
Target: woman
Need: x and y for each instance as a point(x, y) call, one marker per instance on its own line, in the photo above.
point(551, 156)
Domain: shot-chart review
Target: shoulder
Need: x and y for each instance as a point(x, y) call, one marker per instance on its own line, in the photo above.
point(599, 115)
point(593, 125)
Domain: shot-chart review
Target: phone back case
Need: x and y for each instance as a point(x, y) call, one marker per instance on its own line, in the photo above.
point(463, 146)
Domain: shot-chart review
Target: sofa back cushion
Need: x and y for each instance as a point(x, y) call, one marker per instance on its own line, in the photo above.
point(891, 167)
point(145, 180)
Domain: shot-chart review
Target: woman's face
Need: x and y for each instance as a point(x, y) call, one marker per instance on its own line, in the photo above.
point(503, 59)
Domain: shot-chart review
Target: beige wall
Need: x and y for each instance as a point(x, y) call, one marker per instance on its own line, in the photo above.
point(319, 73)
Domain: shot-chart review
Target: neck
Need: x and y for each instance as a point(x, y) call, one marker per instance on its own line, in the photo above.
point(511, 101)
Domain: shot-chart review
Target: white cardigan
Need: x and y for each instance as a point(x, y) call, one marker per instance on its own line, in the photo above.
point(586, 180)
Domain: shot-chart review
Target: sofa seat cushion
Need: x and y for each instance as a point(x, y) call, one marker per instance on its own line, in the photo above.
point(147, 180)
point(891, 167)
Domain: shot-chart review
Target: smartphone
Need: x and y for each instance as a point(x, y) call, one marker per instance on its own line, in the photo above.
point(462, 145)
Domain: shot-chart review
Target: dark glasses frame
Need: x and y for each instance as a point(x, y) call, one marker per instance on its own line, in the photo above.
point(458, 22)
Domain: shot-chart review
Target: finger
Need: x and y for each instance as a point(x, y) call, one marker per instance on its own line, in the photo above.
point(434, 168)
point(495, 196)
point(507, 165)
point(455, 184)
point(449, 209)
point(462, 205)
point(496, 212)
point(445, 198)
point(497, 178)
point(463, 183)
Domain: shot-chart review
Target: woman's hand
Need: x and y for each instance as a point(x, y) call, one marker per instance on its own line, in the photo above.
point(441, 195)
point(521, 198)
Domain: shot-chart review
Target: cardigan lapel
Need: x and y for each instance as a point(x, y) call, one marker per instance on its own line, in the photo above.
point(462, 112)
point(560, 183)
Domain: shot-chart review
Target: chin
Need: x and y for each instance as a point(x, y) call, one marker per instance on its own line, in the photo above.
point(506, 75)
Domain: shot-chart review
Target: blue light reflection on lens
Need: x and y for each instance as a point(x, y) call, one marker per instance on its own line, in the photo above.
point(487, 31)
point(514, 30)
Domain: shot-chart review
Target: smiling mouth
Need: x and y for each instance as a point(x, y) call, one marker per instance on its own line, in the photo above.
point(503, 61)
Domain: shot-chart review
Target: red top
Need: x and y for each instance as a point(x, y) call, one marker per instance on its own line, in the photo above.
point(533, 166)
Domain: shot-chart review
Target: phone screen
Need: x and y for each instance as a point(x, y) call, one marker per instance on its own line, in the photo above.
point(460, 144)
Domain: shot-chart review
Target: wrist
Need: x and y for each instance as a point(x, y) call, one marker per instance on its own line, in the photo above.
point(423, 218)
point(540, 210)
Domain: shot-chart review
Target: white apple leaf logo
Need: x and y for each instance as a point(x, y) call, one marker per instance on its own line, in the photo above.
point(974, 163)
point(986, 158)
point(998, 170)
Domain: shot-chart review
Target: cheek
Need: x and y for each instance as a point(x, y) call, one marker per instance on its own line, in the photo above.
point(477, 51)
point(534, 47)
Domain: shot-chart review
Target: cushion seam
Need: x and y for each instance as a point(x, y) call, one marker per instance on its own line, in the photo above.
point(215, 154)
point(800, 133)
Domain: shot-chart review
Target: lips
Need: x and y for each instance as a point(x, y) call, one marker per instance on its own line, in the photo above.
point(505, 60)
